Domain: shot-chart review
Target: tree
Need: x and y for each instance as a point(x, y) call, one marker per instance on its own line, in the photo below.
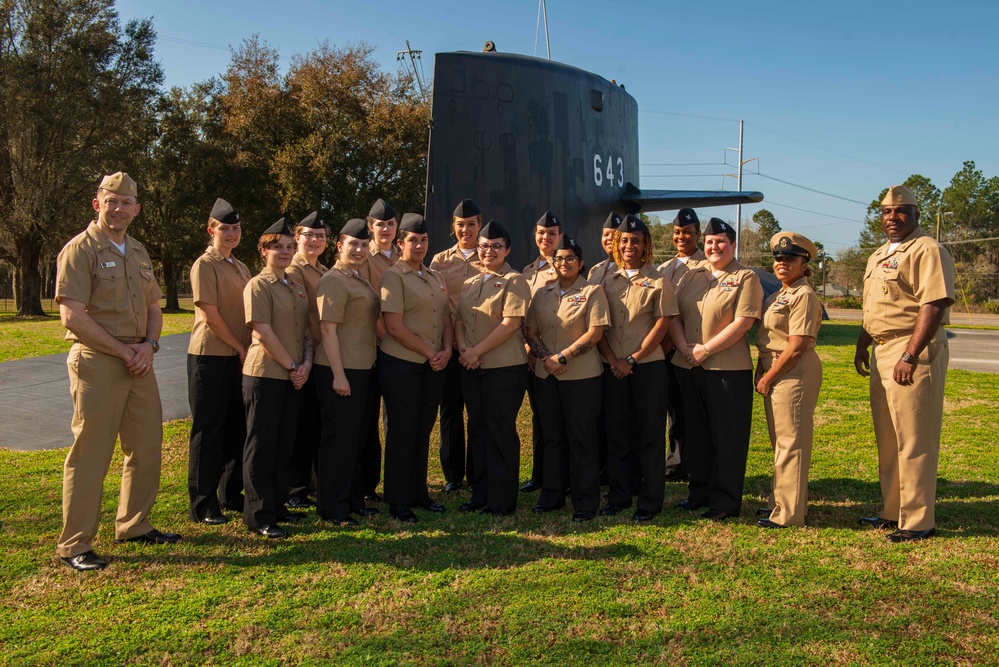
point(77, 103)
point(973, 202)
point(755, 251)
point(927, 196)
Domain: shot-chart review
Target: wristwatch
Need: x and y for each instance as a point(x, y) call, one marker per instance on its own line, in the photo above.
point(631, 360)
point(561, 358)
point(155, 343)
point(909, 359)
point(294, 366)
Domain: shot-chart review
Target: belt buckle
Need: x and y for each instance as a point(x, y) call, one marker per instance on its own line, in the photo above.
point(879, 340)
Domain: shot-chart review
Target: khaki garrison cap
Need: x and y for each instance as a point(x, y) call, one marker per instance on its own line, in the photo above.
point(792, 243)
point(119, 183)
point(899, 195)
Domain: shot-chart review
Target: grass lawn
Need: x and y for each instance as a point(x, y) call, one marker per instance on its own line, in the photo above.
point(527, 589)
point(21, 338)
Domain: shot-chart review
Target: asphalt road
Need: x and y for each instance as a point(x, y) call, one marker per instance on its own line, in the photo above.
point(37, 409)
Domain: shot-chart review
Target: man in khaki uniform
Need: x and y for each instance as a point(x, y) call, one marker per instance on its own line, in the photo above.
point(908, 291)
point(109, 301)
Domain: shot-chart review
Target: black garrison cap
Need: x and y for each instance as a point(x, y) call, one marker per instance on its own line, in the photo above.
point(356, 228)
point(312, 221)
point(466, 208)
point(224, 212)
point(613, 220)
point(548, 220)
point(413, 222)
point(687, 216)
point(632, 224)
point(568, 243)
point(279, 227)
point(718, 226)
point(382, 210)
point(494, 229)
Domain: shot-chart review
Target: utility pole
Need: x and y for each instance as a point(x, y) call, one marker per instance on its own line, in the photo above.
point(946, 214)
point(400, 56)
point(738, 177)
point(542, 10)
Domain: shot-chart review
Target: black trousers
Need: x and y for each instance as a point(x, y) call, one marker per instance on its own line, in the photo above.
point(271, 418)
point(569, 416)
point(412, 393)
point(537, 437)
point(494, 397)
point(345, 424)
point(676, 459)
point(371, 448)
point(635, 410)
point(719, 411)
point(455, 462)
point(218, 431)
point(302, 466)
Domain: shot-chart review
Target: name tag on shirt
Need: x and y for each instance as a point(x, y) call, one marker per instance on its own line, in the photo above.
point(108, 265)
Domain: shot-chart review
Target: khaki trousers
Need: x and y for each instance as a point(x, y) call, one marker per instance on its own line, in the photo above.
point(907, 422)
point(790, 409)
point(107, 403)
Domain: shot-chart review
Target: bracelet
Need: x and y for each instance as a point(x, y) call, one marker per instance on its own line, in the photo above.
point(706, 350)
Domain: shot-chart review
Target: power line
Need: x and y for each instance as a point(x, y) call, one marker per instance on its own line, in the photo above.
point(689, 115)
point(679, 175)
point(684, 164)
point(805, 187)
point(805, 210)
point(823, 148)
point(191, 42)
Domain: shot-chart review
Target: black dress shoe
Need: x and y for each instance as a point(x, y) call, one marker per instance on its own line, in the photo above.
point(153, 537)
point(270, 532)
point(541, 509)
point(877, 522)
point(430, 506)
point(643, 515)
point(349, 522)
point(583, 515)
point(610, 509)
point(215, 519)
point(715, 515)
point(675, 476)
point(492, 511)
point(767, 523)
point(910, 535)
point(297, 502)
point(366, 511)
point(88, 561)
point(289, 517)
point(688, 506)
point(403, 513)
point(471, 506)
point(530, 486)
point(451, 487)
point(373, 497)
point(764, 511)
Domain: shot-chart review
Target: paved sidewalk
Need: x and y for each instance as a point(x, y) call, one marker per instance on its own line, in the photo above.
point(37, 408)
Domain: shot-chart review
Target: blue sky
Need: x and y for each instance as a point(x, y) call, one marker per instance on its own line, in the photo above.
point(845, 98)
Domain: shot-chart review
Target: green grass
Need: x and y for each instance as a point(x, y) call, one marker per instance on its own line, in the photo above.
point(21, 338)
point(527, 589)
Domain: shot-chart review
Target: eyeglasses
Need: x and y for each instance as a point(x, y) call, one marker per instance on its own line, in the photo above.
point(571, 259)
point(495, 247)
point(310, 236)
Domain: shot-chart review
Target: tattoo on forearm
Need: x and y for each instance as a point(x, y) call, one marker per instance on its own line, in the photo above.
point(538, 348)
point(579, 348)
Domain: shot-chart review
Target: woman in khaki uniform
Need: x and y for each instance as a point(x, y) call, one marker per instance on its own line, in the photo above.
point(789, 375)
point(564, 324)
point(382, 255)
point(457, 264)
point(601, 270)
point(635, 383)
point(274, 372)
point(539, 273)
point(491, 309)
point(215, 356)
point(348, 313)
point(717, 303)
point(306, 270)
point(414, 353)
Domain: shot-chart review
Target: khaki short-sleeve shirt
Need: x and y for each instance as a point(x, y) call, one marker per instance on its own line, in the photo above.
point(562, 318)
point(707, 304)
point(378, 263)
point(218, 282)
point(598, 274)
point(791, 311)
point(348, 300)
point(897, 282)
point(538, 275)
point(284, 306)
point(308, 277)
point(676, 268)
point(635, 305)
point(456, 269)
point(421, 299)
point(117, 289)
point(484, 301)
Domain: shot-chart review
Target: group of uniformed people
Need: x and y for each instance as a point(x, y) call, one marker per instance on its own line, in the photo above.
point(288, 370)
